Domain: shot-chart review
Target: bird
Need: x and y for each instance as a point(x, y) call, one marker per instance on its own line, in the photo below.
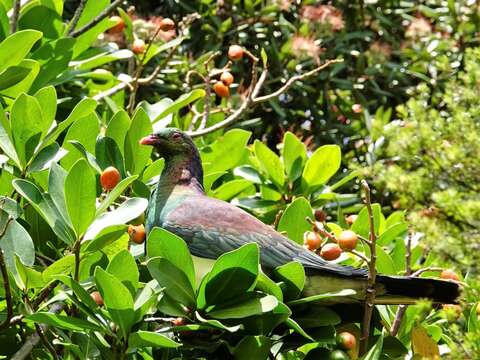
point(211, 227)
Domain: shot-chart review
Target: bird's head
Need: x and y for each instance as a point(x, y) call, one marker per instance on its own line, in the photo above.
point(170, 142)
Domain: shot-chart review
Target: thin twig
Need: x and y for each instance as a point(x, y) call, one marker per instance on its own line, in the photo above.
point(45, 341)
point(360, 255)
point(397, 321)
point(295, 78)
point(208, 91)
point(44, 294)
point(32, 341)
point(253, 99)
point(97, 19)
point(16, 12)
point(372, 273)
point(6, 281)
point(421, 271)
point(76, 16)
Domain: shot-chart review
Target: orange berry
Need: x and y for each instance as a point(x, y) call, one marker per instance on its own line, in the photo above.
point(347, 240)
point(137, 233)
point(167, 24)
point(312, 240)
point(227, 78)
point(109, 178)
point(179, 321)
point(350, 219)
point(448, 274)
point(330, 251)
point(346, 340)
point(320, 215)
point(221, 89)
point(138, 46)
point(235, 52)
point(118, 27)
point(357, 108)
point(97, 298)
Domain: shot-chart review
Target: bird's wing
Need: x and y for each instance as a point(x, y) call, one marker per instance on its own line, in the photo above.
point(212, 227)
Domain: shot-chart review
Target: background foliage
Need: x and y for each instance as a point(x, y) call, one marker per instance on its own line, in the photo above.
point(401, 110)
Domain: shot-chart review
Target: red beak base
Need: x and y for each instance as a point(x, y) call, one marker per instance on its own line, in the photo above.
point(148, 140)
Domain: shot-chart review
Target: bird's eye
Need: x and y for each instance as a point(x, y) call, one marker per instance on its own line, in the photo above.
point(176, 136)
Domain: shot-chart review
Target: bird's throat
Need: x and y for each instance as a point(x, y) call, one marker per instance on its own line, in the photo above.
point(182, 173)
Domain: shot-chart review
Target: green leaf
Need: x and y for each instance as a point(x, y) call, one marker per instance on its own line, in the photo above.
point(231, 276)
point(28, 126)
point(25, 84)
point(181, 102)
point(127, 211)
point(169, 246)
point(47, 98)
point(294, 154)
point(64, 322)
point(84, 108)
point(293, 275)
point(217, 324)
point(376, 351)
point(117, 129)
point(270, 163)
point(152, 339)
point(318, 316)
point(252, 347)
point(114, 194)
point(231, 189)
point(117, 300)
point(80, 195)
point(101, 59)
point(245, 308)
point(293, 220)
point(16, 47)
point(393, 232)
point(154, 169)
point(62, 266)
point(46, 157)
point(12, 76)
point(173, 279)
point(86, 155)
point(6, 141)
point(224, 154)
point(84, 131)
point(78, 290)
point(155, 50)
point(268, 286)
point(341, 293)
point(44, 205)
point(136, 155)
point(15, 241)
point(124, 268)
point(362, 226)
point(385, 263)
point(105, 237)
point(321, 166)
point(108, 154)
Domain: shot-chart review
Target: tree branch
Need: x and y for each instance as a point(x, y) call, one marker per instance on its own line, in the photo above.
point(6, 281)
point(372, 273)
point(35, 338)
point(253, 98)
point(76, 16)
point(108, 10)
point(16, 12)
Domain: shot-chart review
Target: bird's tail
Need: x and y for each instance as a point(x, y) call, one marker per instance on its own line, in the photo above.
point(408, 290)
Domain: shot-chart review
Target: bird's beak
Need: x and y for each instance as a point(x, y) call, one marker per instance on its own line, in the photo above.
point(149, 140)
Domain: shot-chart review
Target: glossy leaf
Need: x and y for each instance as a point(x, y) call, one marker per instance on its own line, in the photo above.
point(321, 166)
point(270, 163)
point(293, 220)
point(152, 339)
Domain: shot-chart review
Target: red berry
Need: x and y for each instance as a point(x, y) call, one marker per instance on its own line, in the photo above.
point(221, 89)
point(167, 24)
point(235, 52)
point(109, 178)
point(350, 219)
point(138, 46)
point(346, 340)
point(312, 240)
point(330, 252)
point(347, 240)
point(449, 275)
point(97, 298)
point(320, 215)
point(119, 25)
point(227, 78)
point(137, 233)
